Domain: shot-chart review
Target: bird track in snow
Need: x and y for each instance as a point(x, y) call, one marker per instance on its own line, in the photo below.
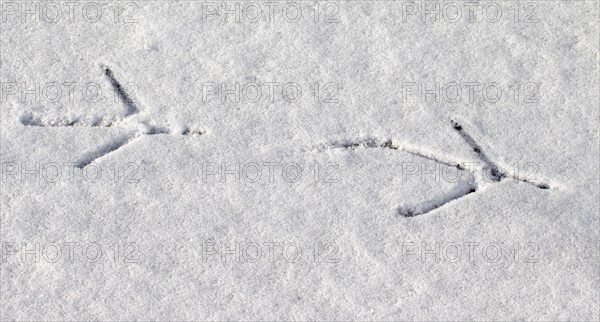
point(135, 129)
point(495, 173)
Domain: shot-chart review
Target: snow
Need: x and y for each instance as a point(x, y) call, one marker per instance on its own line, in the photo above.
point(138, 184)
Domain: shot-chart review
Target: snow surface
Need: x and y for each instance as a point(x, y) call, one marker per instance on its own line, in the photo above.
point(387, 233)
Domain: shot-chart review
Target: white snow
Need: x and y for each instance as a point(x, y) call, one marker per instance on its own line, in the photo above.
point(333, 185)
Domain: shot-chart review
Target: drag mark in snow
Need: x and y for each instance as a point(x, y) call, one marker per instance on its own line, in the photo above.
point(29, 119)
point(495, 172)
point(130, 107)
point(463, 189)
point(122, 140)
point(105, 149)
point(388, 144)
